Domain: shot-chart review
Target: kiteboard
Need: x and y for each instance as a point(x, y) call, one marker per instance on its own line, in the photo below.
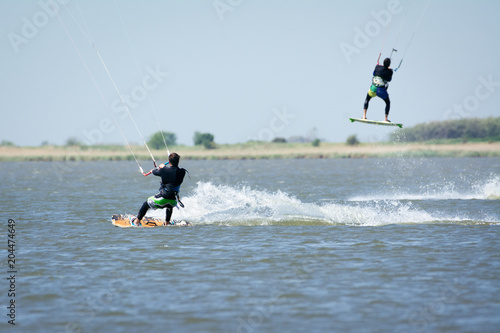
point(125, 221)
point(376, 122)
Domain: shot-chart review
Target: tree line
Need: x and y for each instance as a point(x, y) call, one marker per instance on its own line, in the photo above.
point(158, 140)
point(486, 129)
point(477, 129)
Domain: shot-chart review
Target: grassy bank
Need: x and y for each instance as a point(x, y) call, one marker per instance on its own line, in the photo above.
point(252, 151)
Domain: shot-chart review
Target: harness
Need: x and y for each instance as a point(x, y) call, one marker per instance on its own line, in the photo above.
point(179, 200)
point(379, 82)
point(172, 192)
point(165, 193)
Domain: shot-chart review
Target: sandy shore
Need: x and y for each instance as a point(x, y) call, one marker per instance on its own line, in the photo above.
point(253, 151)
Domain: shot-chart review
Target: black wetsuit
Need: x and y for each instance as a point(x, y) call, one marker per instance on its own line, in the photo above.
point(386, 74)
point(383, 72)
point(171, 180)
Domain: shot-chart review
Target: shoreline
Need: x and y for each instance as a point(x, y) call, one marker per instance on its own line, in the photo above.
point(250, 150)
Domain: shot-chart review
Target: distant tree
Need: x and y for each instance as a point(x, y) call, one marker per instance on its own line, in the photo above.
point(205, 139)
point(279, 140)
point(156, 140)
point(316, 142)
point(73, 142)
point(7, 143)
point(352, 140)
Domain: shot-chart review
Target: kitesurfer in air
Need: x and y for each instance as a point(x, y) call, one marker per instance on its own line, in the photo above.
point(171, 180)
point(382, 75)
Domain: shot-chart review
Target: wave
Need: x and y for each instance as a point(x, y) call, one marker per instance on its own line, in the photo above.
point(228, 205)
point(485, 190)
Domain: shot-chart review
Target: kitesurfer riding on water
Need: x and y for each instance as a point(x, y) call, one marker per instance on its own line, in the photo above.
point(382, 75)
point(171, 180)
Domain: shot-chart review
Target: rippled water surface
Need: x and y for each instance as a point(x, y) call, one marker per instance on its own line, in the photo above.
point(364, 245)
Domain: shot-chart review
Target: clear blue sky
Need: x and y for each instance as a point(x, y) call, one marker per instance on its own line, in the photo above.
point(240, 69)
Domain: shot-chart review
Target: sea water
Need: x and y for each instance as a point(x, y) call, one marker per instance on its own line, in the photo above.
point(338, 245)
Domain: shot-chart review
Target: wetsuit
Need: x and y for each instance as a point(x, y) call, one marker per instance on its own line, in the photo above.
point(381, 76)
point(171, 180)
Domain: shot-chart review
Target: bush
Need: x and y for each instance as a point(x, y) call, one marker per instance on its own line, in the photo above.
point(73, 142)
point(205, 139)
point(316, 143)
point(209, 145)
point(279, 140)
point(465, 129)
point(156, 141)
point(352, 140)
point(7, 143)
